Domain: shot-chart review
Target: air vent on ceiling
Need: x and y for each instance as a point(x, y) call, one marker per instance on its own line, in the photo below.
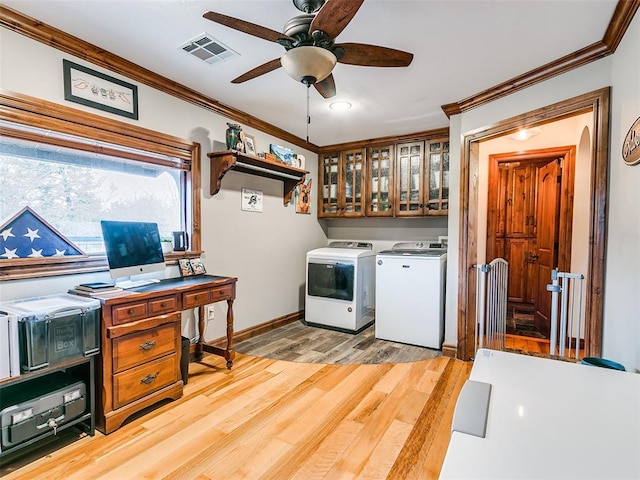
point(208, 49)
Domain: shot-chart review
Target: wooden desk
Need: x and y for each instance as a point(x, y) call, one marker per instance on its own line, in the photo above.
point(139, 363)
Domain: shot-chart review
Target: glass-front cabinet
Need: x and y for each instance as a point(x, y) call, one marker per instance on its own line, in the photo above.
point(409, 179)
point(437, 201)
point(343, 181)
point(353, 167)
point(330, 173)
point(404, 179)
point(380, 182)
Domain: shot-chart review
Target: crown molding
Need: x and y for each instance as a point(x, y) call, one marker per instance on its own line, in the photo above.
point(622, 16)
point(41, 32)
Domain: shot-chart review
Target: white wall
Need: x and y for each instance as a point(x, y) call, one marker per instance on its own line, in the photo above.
point(266, 251)
point(621, 336)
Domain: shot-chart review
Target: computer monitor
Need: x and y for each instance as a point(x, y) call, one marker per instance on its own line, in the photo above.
point(133, 248)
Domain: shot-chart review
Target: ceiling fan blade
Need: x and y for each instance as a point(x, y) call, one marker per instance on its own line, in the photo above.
point(246, 27)
point(373, 56)
point(259, 70)
point(327, 87)
point(334, 16)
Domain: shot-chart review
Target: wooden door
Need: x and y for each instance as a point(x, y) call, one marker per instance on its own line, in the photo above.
point(547, 235)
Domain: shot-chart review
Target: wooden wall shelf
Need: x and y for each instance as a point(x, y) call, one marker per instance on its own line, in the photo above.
point(223, 161)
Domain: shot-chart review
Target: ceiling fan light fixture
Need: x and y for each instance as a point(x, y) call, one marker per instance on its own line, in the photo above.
point(308, 64)
point(340, 106)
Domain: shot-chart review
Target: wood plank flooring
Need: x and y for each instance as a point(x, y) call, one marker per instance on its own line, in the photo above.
point(274, 419)
point(298, 342)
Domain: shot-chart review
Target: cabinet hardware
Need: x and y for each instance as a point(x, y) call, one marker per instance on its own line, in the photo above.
point(148, 345)
point(149, 378)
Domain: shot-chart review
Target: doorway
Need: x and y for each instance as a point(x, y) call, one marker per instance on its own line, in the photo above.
point(471, 229)
point(529, 224)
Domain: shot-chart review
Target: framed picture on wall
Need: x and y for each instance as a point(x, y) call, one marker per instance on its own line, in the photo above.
point(94, 89)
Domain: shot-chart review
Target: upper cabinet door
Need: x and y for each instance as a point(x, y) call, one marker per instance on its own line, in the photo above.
point(437, 172)
point(330, 193)
point(409, 199)
point(380, 182)
point(353, 171)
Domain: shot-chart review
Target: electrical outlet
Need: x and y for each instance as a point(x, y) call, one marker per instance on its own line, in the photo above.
point(211, 313)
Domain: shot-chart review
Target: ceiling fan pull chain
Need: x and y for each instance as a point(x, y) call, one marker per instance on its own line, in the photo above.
point(308, 115)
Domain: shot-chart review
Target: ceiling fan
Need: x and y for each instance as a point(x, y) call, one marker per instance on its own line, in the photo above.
point(309, 41)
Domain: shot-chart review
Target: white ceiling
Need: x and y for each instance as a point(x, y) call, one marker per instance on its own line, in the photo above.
point(460, 48)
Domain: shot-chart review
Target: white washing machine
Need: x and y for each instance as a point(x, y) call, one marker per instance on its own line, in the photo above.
point(410, 285)
point(340, 291)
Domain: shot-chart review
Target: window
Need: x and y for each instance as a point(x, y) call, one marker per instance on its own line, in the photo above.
point(73, 179)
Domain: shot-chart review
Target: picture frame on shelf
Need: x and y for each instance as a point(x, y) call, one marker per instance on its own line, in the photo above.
point(250, 145)
point(97, 90)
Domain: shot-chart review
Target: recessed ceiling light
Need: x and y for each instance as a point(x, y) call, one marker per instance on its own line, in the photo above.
point(525, 133)
point(340, 106)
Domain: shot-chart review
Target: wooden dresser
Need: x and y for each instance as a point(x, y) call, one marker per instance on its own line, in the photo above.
point(141, 343)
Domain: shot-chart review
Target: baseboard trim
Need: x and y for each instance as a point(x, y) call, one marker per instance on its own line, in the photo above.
point(449, 350)
point(256, 330)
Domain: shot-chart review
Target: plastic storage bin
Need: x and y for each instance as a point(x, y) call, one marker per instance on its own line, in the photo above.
point(9, 346)
point(55, 328)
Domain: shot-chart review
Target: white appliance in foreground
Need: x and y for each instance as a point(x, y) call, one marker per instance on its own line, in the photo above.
point(340, 291)
point(546, 419)
point(410, 282)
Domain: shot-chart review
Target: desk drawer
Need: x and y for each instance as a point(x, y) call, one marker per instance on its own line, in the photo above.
point(196, 299)
point(129, 312)
point(143, 380)
point(138, 348)
point(222, 293)
point(162, 305)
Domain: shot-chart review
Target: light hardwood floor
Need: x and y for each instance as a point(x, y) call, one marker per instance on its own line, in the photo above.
point(273, 419)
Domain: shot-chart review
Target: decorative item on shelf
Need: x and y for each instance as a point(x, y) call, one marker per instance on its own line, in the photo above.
point(303, 197)
point(271, 157)
point(249, 144)
point(235, 137)
point(167, 244)
point(180, 241)
point(283, 154)
point(300, 161)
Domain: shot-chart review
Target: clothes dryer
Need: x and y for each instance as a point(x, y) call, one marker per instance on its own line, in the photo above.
point(340, 290)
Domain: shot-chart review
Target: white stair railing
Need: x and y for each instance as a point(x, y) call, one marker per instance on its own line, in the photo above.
point(566, 289)
point(491, 304)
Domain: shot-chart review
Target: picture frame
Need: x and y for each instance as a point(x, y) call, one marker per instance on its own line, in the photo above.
point(94, 89)
point(197, 266)
point(184, 264)
point(250, 144)
point(252, 200)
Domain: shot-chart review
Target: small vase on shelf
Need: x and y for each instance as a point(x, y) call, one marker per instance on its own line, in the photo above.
point(234, 137)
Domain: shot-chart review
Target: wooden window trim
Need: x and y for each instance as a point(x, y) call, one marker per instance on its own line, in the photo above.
point(32, 112)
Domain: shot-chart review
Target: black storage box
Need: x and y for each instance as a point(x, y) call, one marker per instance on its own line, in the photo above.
point(55, 328)
point(38, 406)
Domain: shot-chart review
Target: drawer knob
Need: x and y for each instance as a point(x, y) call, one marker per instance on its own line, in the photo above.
point(131, 311)
point(149, 378)
point(163, 305)
point(148, 345)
